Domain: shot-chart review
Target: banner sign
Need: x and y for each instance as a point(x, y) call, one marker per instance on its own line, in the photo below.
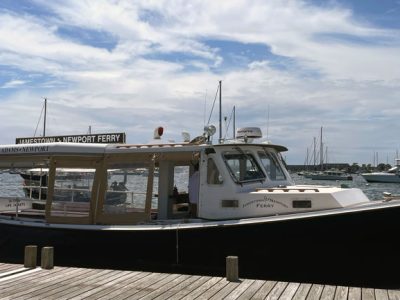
point(102, 138)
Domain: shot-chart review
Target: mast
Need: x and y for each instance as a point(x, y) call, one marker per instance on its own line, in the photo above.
point(234, 122)
point(321, 151)
point(315, 157)
point(268, 123)
point(44, 119)
point(220, 111)
point(326, 155)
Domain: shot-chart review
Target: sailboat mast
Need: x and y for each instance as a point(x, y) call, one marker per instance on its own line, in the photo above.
point(315, 154)
point(45, 114)
point(321, 152)
point(234, 122)
point(220, 111)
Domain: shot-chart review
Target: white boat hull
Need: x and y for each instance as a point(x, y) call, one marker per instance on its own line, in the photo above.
point(353, 246)
point(381, 177)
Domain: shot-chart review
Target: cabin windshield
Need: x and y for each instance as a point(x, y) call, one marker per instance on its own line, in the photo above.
point(243, 167)
point(272, 166)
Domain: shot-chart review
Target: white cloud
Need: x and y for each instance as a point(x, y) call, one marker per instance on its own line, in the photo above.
point(12, 84)
point(336, 83)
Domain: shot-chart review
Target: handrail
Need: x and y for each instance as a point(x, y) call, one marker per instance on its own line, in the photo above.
point(302, 190)
point(129, 146)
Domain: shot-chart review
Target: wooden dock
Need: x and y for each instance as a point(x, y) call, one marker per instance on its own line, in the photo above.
point(17, 282)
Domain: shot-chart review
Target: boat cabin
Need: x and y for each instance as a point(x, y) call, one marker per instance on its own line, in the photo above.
point(130, 184)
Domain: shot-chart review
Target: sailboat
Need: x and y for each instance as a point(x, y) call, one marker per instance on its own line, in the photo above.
point(332, 174)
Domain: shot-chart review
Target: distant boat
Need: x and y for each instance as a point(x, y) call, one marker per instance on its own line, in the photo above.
point(331, 175)
point(71, 185)
point(390, 176)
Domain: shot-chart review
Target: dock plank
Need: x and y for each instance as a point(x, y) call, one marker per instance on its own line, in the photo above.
point(290, 290)
point(202, 288)
point(114, 285)
point(251, 290)
point(77, 283)
point(264, 290)
point(227, 289)
point(174, 291)
point(8, 267)
point(381, 294)
point(69, 283)
point(302, 291)
point(315, 291)
point(239, 290)
point(90, 286)
point(277, 290)
point(8, 282)
point(28, 284)
point(214, 289)
point(48, 283)
point(367, 294)
point(191, 287)
point(73, 288)
point(128, 284)
point(141, 284)
point(394, 294)
point(159, 285)
point(164, 286)
point(328, 293)
point(341, 293)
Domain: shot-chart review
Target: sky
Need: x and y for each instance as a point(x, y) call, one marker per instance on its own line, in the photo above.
point(288, 67)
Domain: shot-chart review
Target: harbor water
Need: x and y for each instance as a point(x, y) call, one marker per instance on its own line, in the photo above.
point(11, 184)
point(374, 191)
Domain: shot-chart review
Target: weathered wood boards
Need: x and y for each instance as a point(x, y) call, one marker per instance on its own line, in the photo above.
point(76, 283)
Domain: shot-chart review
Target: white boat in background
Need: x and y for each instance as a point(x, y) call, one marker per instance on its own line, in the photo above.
point(331, 175)
point(390, 176)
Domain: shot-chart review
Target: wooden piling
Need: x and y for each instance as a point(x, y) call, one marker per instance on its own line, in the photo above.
point(232, 268)
point(30, 256)
point(47, 258)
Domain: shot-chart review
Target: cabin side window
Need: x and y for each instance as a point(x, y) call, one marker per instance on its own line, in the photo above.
point(127, 189)
point(243, 167)
point(213, 175)
point(72, 192)
point(271, 165)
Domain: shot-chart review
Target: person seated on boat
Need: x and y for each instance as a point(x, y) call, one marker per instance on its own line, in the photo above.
point(194, 182)
point(175, 192)
point(122, 187)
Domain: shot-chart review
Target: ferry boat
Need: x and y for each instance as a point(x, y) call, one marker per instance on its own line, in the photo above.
point(248, 206)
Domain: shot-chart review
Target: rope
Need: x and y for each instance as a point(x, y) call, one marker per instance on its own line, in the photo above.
point(37, 125)
point(213, 105)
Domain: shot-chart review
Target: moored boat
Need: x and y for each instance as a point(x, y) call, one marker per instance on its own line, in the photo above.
point(248, 206)
point(390, 176)
point(330, 175)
